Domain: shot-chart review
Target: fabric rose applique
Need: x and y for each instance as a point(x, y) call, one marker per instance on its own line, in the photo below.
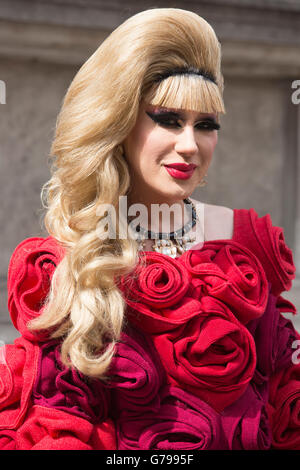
point(66, 389)
point(246, 423)
point(135, 375)
point(18, 367)
point(201, 340)
point(284, 407)
point(30, 271)
point(268, 244)
point(230, 273)
point(274, 337)
point(183, 422)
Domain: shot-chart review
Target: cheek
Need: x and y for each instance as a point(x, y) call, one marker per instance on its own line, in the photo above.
point(141, 143)
point(208, 144)
point(215, 140)
point(149, 149)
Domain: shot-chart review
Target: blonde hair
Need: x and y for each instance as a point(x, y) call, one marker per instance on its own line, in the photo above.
point(84, 305)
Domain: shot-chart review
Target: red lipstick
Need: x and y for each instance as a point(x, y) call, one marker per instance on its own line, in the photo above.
point(182, 166)
point(181, 171)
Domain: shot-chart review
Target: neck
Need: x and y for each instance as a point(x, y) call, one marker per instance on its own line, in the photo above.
point(158, 214)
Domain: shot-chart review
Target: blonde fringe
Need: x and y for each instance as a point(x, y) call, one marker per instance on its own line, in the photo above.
point(199, 94)
point(84, 306)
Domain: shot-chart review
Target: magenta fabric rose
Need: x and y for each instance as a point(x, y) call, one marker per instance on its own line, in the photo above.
point(246, 424)
point(274, 336)
point(136, 374)
point(59, 387)
point(284, 408)
point(183, 422)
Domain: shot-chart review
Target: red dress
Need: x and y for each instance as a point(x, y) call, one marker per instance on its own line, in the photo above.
point(206, 359)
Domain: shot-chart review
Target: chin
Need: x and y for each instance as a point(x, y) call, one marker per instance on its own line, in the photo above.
point(180, 195)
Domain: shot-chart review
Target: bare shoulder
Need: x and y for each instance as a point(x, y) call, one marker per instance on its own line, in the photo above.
point(218, 221)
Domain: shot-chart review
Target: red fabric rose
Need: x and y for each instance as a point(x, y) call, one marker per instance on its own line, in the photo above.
point(284, 408)
point(49, 429)
point(159, 281)
point(203, 347)
point(231, 273)
point(30, 272)
point(212, 355)
point(17, 375)
point(267, 242)
point(156, 290)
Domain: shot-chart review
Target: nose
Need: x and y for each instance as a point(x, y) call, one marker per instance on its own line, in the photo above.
point(186, 141)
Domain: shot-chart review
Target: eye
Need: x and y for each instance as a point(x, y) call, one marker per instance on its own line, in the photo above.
point(168, 122)
point(171, 120)
point(164, 119)
point(208, 125)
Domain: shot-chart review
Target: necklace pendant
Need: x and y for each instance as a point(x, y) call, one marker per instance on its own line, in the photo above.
point(170, 251)
point(166, 248)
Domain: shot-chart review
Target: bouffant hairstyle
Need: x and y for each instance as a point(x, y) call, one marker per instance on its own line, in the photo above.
point(137, 61)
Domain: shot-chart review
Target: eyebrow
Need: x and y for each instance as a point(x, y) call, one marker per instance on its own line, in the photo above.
point(177, 113)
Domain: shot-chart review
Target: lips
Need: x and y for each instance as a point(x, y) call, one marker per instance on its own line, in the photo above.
point(180, 171)
point(182, 166)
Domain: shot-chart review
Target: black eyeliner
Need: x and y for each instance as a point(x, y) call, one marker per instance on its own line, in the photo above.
point(164, 116)
point(213, 124)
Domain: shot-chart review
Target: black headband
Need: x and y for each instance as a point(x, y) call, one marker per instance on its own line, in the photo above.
point(185, 70)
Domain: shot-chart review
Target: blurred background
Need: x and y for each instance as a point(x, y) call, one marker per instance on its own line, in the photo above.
point(44, 42)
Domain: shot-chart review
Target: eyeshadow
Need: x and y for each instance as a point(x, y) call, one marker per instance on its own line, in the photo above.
point(169, 112)
point(161, 116)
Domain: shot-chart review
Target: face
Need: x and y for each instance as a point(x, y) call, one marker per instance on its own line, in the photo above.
point(163, 137)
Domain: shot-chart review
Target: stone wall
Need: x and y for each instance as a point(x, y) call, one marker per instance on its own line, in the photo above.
point(42, 45)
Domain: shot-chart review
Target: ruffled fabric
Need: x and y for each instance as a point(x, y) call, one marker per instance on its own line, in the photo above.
point(30, 271)
point(66, 389)
point(267, 242)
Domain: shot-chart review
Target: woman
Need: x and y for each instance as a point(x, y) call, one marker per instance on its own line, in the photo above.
point(149, 340)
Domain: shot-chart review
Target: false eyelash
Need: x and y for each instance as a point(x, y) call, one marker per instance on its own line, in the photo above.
point(210, 124)
point(164, 119)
